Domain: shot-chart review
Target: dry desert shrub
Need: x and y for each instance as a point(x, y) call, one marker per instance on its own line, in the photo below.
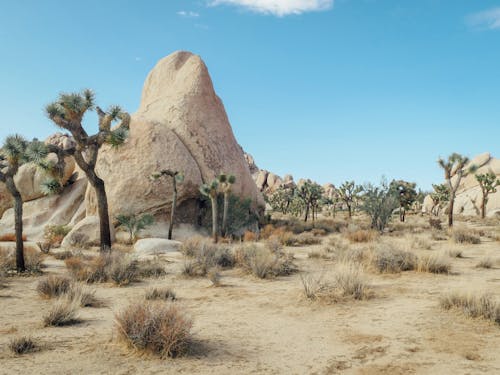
point(485, 263)
point(306, 238)
point(313, 285)
point(62, 255)
point(190, 247)
point(361, 236)
point(463, 235)
point(83, 296)
point(263, 263)
point(274, 245)
point(120, 268)
point(54, 234)
point(207, 256)
point(163, 293)
point(472, 305)
point(434, 264)
point(384, 258)
point(22, 345)
point(62, 313)
point(437, 235)
point(156, 328)
point(53, 286)
point(351, 282)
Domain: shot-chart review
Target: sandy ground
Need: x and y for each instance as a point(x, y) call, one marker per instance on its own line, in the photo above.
point(251, 326)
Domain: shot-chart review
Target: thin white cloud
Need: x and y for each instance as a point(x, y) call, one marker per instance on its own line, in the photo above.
point(188, 14)
point(278, 8)
point(488, 19)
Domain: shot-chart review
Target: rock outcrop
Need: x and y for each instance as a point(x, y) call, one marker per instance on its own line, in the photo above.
point(181, 125)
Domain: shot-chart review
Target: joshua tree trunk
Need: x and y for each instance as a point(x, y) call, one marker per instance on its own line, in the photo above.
point(224, 214)
point(102, 206)
point(349, 210)
point(450, 212)
point(215, 218)
point(307, 213)
point(483, 206)
point(402, 214)
point(172, 211)
point(18, 223)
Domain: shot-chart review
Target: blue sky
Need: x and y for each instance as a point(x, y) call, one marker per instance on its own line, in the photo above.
point(351, 89)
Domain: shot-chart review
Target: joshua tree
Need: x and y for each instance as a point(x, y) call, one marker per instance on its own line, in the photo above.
point(310, 193)
point(67, 113)
point(282, 198)
point(453, 167)
point(349, 194)
point(225, 183)
point(12, 156)
point(211, 191)
point(177, 177)
point(134, 224)
point(488, 183)
point(440, 197)
point(406, 195)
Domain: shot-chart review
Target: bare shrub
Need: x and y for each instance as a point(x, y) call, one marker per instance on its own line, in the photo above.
point(419, 242)
point(22, 345)
point(121, 269)
point(262, 263)
point(207, 256)
point(164, 293)
point(386, 259)
point(53, 286)
point(472, 305)
point(190, 247)
point(465, 236)
point(274, 245)
point(54, 234)
point(434, 264)
point(157, 328)
point(485, 263)
point(62, 255)
point(33, 260)
point(361, 235)
point(306, 238)
point(62, 313)
point(438, 236)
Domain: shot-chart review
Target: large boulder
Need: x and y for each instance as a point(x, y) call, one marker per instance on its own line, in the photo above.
point(66, 208)
point(181, 124)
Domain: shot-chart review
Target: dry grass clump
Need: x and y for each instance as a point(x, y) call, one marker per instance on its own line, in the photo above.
point(156, 328)
point(10, 237)
point(465, 236)
point(191, 246)
point(22, 345)
point(434, 264)
point(62, 313)
point(83, 296)
point(214, 276)
point(437, 235)
point(62, 255)
point(263, 263)
point(455, 253)
point(472, 305)
point(350, 281)
point(163, 293)
point(306, 238)
point(53, 286)
point(116, 267)
point(313, 285)
point(435, 223)
point(386, 259)
point(361, 236)
point(485, 263)
point(419, 242)
point(151, 268)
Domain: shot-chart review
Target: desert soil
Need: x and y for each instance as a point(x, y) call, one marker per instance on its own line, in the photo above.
point(251, 326)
